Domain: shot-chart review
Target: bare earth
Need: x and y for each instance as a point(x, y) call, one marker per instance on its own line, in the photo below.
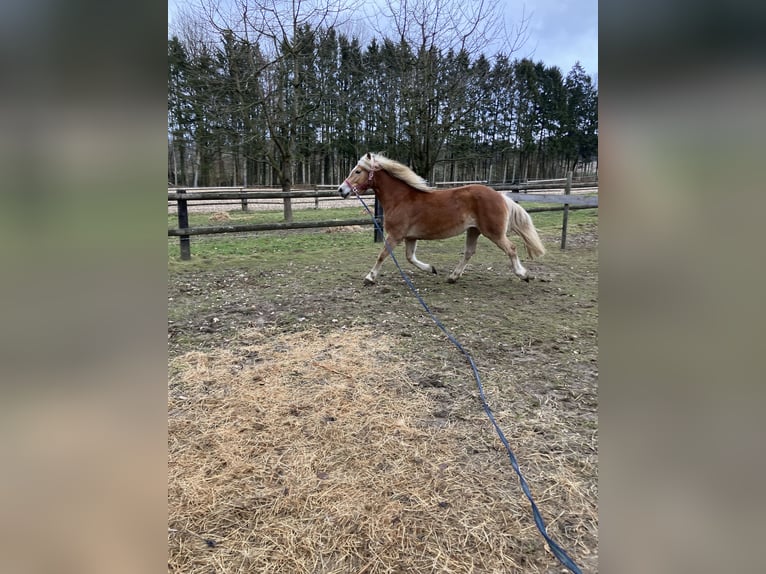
point(318, 425)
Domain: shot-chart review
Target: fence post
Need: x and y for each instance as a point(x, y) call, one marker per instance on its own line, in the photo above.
point(567, 191)
point(183, 223)
point(378, 235)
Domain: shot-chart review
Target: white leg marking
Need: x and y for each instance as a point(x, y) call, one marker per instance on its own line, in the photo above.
point(518, 268)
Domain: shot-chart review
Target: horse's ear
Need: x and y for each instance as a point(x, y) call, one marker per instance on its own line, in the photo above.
point(369, 156)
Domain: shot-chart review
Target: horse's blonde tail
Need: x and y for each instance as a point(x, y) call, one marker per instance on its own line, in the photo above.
point(520, 223)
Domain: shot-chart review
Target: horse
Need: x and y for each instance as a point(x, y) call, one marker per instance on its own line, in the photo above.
point(413, 210)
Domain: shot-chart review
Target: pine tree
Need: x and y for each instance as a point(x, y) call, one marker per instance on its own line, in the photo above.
point(178, 111)
point(580, 141)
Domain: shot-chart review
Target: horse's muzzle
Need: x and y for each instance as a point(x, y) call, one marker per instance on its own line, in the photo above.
point(344, 191)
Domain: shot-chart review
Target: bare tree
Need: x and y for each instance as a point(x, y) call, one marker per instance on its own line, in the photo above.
point(280, 29)
point(429, 28)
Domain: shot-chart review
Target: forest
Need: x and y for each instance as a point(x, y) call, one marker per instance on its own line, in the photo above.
point(300, 108)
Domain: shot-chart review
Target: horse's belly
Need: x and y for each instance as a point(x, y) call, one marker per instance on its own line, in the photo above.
point(440, 231)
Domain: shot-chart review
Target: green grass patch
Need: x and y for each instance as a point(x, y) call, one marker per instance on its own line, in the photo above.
point(266, 248)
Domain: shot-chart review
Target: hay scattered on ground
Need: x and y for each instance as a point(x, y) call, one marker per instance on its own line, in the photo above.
point(344, 229)
point(220, 216)
point(314, 453)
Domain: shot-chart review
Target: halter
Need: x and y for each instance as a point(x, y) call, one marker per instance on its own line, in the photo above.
point(370, 174)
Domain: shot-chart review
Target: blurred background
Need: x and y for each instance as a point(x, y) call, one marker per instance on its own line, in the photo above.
point(682, 132)
point(84, 157)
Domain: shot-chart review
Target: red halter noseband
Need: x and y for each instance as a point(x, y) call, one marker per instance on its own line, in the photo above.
point(370, 173)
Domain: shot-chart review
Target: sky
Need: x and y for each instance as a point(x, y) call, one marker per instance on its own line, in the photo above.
point(561, 32)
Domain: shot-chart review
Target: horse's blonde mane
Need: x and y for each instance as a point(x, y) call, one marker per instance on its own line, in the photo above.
point(395, 169)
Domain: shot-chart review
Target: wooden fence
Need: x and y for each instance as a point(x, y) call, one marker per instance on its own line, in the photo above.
point(520, 192)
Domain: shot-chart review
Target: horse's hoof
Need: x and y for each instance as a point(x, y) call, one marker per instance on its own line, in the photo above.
point(451, 279)
point(433, 270)
point(368, 281)
point(526, 278)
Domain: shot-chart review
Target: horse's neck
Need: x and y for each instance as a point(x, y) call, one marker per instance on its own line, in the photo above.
point(390, 190)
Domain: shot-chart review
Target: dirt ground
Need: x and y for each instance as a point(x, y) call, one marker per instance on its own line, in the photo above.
point(535, 345)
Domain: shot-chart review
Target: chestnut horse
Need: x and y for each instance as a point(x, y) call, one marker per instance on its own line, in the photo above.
point(413, 211)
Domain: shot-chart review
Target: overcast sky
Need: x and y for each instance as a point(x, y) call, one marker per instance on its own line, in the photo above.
point(561, 32)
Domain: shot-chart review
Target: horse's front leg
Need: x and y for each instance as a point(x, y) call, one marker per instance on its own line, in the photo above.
point(391, 242)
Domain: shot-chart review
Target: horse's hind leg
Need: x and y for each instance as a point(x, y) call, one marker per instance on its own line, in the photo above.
point(411, 245)
point(510, 249)
point(372, 275)
point(471, 237)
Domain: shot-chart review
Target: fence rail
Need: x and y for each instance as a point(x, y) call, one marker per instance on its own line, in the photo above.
point(213, 193)
point(566, 202)
point(213, 229)
point(174, 196)
point(584, 200)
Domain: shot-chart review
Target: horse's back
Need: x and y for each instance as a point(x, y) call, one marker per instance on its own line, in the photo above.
point(485, 202)
point(469, 194)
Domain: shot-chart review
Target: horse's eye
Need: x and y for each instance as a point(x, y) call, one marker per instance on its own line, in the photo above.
point(358, 171)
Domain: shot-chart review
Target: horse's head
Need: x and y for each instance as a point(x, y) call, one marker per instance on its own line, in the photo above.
point(360, 177)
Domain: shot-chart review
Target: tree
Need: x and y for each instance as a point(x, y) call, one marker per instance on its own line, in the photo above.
point(580, 141)
point(551, 105)
point(350, 122)
point(284, 32)
point(431, 28)
point(526, 112)
point(240, 63)
point(328, 106)
point(178, 111)
point(502, 94)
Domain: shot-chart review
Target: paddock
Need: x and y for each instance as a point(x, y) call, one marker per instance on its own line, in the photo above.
point(318, 425)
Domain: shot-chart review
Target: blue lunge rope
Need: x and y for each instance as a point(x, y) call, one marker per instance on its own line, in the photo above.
point(555, 548)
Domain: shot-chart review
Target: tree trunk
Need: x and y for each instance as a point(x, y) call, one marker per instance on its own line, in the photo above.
point(197, 161)
point(287, 207)
point(287, 185)
point(175, 163)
